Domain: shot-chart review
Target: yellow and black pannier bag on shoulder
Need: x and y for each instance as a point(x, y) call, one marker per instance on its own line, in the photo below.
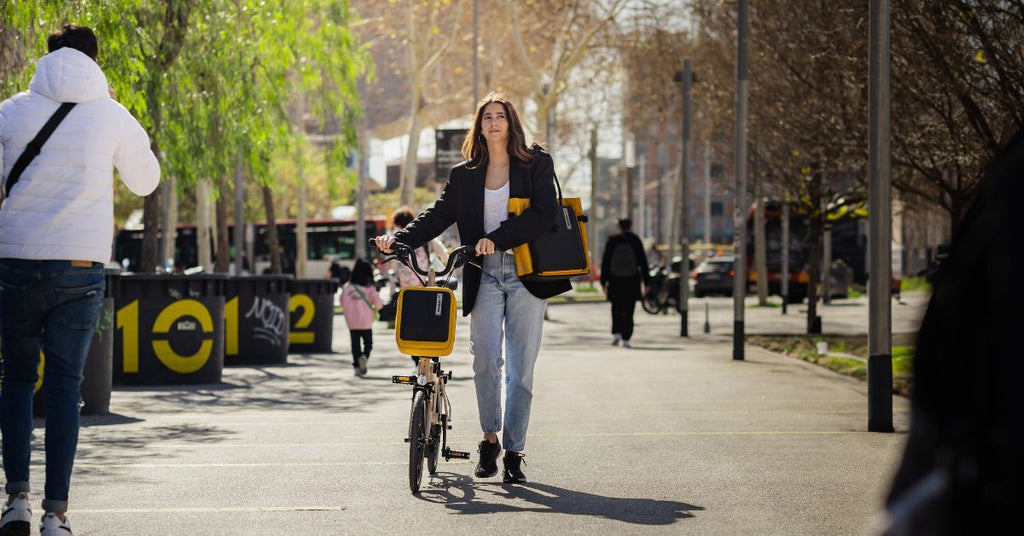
point(425, 321)
point(561, 251)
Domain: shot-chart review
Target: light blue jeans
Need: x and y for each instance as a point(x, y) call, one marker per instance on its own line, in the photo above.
point(505, 312)
point(50, 306)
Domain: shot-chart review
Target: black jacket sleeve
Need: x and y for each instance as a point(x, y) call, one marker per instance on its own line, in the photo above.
point(543, 209)
point(433, 221)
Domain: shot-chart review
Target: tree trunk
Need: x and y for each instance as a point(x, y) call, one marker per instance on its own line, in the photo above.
point(301, 242)
point(760, 248)
point(274, 244)
point(151, 232)
point(223, 264)
point(171, 223)
point(409, 170)
point(814, 270)
point(545, 121)
point(203, 225)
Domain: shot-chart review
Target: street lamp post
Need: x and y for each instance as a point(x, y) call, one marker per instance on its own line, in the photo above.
point(880, 239)
point(684, 235)
point(739, 280)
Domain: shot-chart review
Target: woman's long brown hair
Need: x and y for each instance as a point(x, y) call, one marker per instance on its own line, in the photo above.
point(474, 148)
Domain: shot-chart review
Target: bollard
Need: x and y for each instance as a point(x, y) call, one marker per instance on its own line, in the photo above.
point(311, 307)
point(707, 318)
point(169, 329)
point(256, 320)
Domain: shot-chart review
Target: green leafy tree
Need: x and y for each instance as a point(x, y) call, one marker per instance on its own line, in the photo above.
point(211, 81)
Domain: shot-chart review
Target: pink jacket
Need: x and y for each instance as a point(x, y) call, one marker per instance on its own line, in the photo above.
point(359, 315)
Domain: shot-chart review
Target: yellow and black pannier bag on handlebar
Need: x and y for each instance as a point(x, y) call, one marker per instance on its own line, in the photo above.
point(425, 321)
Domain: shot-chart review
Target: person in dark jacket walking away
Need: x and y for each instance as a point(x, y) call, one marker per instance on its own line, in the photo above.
point(623, 269)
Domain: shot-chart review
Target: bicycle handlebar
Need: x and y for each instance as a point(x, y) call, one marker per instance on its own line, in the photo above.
point(403, 254)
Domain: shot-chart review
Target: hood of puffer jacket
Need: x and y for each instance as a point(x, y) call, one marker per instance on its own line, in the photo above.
point(67, 75)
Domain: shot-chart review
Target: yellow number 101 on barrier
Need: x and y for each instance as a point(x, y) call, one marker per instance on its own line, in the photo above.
point(128, 323)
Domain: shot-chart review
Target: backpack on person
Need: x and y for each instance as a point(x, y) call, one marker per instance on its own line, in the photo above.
point(623, 262)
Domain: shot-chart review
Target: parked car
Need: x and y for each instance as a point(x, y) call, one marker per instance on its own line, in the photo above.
point(714, 276)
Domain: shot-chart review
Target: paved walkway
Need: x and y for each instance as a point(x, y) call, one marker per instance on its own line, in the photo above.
point(671, 437)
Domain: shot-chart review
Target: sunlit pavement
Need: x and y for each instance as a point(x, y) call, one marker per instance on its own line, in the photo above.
point(672, 436)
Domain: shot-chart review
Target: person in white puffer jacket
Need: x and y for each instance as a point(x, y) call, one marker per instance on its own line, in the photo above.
point(56, 231)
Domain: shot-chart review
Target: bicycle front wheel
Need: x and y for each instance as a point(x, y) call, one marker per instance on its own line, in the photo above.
point(417, 438)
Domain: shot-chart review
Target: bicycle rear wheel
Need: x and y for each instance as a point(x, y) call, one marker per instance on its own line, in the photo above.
point(433, 448)
point(417, 438)
point(650, 303)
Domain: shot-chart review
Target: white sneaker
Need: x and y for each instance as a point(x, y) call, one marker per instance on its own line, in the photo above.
point(625, 343)
point(615, 341)
point(362, 365)
point(17, 516)
point(51, 525)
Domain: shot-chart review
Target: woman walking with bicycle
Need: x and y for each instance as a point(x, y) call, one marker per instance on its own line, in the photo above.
point(499, 164)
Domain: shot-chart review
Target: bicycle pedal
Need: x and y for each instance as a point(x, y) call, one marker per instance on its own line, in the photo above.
point(457, 454)
point(407, 380)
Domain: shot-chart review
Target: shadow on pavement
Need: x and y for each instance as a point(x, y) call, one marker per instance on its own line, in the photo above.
point(466, 496)
point(321, 381)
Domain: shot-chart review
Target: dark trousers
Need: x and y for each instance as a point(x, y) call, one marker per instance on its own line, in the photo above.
point(622, 318)
point(362, 343)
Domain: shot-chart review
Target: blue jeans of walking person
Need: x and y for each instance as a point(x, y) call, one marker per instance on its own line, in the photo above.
point(49, 306)
point(505, 313)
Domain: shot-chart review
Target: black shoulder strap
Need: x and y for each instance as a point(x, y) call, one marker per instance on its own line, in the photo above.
point(36, 145)
point(558, 187)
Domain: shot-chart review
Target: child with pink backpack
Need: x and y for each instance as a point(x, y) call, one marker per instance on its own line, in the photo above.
point(359, 303)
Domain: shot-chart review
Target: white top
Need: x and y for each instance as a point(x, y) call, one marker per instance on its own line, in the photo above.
point(495, 207)
point(62, 208)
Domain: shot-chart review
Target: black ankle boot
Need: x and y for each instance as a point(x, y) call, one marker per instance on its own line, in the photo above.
point(513, 470)
point(488, 464)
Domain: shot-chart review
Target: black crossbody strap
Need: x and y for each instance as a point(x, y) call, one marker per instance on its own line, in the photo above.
point(36, 145)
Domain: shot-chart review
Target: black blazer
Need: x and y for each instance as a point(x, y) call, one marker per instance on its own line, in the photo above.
point(462, 203)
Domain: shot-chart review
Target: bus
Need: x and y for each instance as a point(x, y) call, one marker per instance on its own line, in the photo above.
point(328, 240)
point(849, 244)
point(799, 228)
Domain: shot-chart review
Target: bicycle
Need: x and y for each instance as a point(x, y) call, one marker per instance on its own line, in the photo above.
point(664, 291)
point(430, 412)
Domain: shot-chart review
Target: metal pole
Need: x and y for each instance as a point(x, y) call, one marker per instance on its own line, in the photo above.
point(740, 210)
point(880, 214)
point(707, 192)
point(641, 196)
point(594, 216)
point(826, 265)
point(684, 238)
point(784, 276)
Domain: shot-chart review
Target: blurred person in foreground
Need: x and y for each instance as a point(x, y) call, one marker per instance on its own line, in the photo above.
point(963, 466)
point(56, 228)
